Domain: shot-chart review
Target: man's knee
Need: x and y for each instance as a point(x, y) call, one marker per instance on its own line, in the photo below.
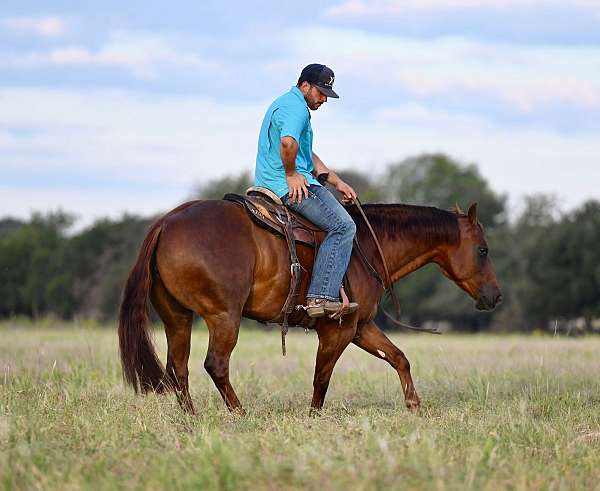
point(348, 227)
point(352, 227)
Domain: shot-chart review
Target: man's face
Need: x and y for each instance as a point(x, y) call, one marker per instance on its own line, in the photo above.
point(312, 96)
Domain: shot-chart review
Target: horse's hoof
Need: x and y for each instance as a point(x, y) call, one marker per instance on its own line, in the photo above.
point(314, 412)
point(413, 406)
point(187, 405)
point(239, 412)
point(189, 409)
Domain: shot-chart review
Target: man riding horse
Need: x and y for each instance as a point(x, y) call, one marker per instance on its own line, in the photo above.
point(287, 165)
point(209, 258)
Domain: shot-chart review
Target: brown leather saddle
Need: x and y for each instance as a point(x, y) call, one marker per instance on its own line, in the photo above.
point(266, 210)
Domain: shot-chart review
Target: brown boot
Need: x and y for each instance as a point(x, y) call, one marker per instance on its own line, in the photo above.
point(318, 307)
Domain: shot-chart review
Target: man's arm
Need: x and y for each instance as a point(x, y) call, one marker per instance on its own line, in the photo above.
point(332, 178)
point(297, 185)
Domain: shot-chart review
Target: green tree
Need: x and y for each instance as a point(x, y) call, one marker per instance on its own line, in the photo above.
point(515, 249)
point(45, 271)
point(565, 268)
point(9, 225)
point(100, 258)
point(31, 255)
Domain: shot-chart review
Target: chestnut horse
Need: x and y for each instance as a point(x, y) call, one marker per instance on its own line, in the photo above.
point(209, 257)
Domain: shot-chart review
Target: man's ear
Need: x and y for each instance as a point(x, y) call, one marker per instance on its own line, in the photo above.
point(304, 87)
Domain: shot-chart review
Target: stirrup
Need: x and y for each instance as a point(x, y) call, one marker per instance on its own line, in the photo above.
point(321, 307)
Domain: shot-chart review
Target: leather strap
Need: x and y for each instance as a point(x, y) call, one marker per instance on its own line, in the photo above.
point(295, 267)
point(366, 262)
point(388, 278)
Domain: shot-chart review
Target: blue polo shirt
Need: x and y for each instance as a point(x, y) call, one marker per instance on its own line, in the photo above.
point(287, 116)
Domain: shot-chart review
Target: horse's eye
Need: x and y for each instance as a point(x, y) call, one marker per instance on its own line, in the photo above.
point(483, 251)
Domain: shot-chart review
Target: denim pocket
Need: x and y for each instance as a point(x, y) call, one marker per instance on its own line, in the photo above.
point(292, 205)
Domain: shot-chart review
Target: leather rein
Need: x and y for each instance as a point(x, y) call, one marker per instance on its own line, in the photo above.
point(388, 278)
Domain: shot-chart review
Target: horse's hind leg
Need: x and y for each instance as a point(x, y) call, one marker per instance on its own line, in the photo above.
point(333, 340)
point(223, 330)
point(370, 338)
point(178, 328)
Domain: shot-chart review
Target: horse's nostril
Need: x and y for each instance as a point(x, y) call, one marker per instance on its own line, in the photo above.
point(498, 299)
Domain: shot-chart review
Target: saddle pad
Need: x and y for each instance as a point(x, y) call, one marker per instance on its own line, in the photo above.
point(270, 217)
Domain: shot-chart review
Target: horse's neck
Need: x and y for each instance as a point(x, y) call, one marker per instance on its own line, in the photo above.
point(404, 255)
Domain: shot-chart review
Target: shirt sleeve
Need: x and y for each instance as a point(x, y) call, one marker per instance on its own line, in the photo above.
point(290, 121)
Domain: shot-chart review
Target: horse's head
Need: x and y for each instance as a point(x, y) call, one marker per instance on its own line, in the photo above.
point(468, 263)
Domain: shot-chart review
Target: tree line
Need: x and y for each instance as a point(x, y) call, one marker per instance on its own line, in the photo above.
point(547, 261)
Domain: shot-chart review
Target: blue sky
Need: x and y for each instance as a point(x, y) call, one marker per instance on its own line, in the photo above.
point(108, 107)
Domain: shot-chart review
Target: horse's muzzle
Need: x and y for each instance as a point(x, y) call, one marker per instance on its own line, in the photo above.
point(489, 298)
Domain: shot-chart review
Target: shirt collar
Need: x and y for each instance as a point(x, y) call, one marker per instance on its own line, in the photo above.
point(296, 91)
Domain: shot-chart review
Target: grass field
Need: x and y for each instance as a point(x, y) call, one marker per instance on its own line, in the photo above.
point(498, 413)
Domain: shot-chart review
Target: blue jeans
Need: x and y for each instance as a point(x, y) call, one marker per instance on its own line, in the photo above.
point(333, 256)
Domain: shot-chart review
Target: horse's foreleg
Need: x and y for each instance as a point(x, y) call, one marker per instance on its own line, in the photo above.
point(333, 340)
point(370, 338)
point(223, 334)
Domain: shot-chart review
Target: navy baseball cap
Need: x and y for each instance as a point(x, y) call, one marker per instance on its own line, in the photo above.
point(321, 77)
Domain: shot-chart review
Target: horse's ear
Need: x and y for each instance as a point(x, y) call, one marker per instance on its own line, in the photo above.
point(472, 214)
point(458, 210)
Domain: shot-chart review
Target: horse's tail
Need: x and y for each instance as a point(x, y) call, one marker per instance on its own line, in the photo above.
point(141, 366)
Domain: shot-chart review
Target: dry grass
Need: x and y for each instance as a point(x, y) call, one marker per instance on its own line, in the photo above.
point(499, 413)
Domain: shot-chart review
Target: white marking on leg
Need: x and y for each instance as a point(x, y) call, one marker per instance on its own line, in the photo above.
point(381, 353)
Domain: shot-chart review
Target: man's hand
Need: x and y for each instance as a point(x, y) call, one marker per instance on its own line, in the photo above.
point(297, 187)
point(348, 194)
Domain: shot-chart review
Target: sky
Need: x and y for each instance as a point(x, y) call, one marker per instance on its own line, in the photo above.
point(112, 107)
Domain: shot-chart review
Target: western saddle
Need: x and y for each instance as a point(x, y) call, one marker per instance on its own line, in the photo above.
point(268, 211)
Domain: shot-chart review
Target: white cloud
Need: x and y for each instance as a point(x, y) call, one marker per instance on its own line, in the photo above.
point(145, 55)
point(126, 137)
point(526, 77)
point(51, 26)
point(360, 8)
point(148, 151)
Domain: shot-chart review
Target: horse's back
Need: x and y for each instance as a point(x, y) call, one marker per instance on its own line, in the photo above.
point(212, 224)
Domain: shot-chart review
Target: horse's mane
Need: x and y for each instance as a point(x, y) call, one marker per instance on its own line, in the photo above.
point(409, 222)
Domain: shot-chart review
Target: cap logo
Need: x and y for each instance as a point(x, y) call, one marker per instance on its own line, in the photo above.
point(330, 83)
